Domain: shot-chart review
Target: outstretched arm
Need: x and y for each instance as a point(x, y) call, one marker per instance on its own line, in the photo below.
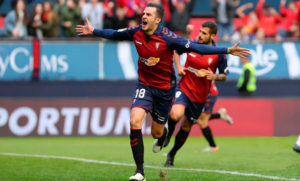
point(259, 7)
point(88, 29)
point(182, 45)
point(240, 10)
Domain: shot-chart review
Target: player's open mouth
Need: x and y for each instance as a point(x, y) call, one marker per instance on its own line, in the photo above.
point(144, 23)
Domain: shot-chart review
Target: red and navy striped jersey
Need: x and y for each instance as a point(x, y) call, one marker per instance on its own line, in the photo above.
point(155, 63)
point(194, 84)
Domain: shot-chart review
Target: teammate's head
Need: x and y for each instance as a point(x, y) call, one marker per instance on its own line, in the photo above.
point(152, 16)
point(207, 32)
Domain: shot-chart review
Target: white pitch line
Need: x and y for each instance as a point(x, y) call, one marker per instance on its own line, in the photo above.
point(149, 166)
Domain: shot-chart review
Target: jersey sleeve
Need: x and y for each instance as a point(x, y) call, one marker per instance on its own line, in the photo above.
point(222, 65)
point(121, 34)
point(182, 45)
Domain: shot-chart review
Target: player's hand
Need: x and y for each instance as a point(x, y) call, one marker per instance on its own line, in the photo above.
point(210, 75)
point(249, 5)
point(85, 29)
point(181, 71)
point(237, 51)
point(189, 28)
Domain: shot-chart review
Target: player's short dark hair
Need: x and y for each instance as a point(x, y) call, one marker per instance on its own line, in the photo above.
point(213, 28)
point(160, 11)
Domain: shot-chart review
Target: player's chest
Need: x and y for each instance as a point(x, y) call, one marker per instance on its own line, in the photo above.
point(153, 46)
point(202, 61)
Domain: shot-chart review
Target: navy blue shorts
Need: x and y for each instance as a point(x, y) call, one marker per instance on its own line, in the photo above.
point(157, 102)
point(209, 104)
point(192, 110)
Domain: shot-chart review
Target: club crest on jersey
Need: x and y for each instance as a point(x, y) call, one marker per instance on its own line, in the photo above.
point(157, 45)
point(151, 61)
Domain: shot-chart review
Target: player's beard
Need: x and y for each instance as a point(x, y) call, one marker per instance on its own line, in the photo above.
point(208, 42)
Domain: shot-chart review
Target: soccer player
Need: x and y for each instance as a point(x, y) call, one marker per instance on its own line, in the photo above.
point(296, 147)
point(193, 89)
point(207, 115)
point(156, 85)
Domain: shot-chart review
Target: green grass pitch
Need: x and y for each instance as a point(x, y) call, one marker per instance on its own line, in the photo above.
point(265, 156)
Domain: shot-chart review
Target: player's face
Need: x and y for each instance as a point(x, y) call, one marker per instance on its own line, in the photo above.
point(204, 36)
point(149, 19)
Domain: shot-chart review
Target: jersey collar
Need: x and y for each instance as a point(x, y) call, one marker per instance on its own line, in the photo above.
point(158, 30)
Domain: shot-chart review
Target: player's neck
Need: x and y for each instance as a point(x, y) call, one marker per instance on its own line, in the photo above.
point(210, 43)
point(151, 32)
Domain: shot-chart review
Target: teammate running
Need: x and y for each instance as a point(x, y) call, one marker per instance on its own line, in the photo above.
point(156, 85)
point(194, 88)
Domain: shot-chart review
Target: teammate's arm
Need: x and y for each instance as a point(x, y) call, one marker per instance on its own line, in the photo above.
point(223, 70)
point(88, 29)
point(180, 69)
point(210, 75)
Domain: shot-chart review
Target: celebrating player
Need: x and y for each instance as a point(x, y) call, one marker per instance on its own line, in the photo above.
point(193, 89)
point(156, 85)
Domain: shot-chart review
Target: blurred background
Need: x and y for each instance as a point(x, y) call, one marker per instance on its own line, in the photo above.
point(54, 83)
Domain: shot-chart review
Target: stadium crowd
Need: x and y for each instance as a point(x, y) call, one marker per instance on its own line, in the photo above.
point(256, 22)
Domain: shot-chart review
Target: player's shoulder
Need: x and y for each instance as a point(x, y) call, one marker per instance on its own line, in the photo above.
point(137, 27)
point(131, 29)
point(165, 32)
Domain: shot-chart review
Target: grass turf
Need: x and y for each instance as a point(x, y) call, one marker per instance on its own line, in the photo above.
point(270, 156)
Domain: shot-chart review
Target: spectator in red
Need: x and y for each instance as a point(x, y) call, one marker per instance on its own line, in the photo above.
point(290, 15)
point(109, 6)
point(50, 20)
point(268, 18)
point(132, 7)
point(294, 34)
point(120, 20)
point(250, 20)
point(298, 7)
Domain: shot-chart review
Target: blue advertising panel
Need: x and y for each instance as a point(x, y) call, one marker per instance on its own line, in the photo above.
point(69, 61)
point(119, 60)
point(15, 61)
point(270, 60)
